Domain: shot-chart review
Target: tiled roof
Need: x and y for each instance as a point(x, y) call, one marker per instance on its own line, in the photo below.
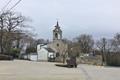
point(49, 50)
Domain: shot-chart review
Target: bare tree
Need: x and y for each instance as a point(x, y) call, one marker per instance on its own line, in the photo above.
point(101, 45)
point(2, 26)
point(74, 49)
point(42, 41)
point(86, 43)
point(1, 35)
point(11, 25)
point(116, 43)
point(13, 22)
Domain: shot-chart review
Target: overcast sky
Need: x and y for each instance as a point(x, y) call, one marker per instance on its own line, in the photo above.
point(100, 18)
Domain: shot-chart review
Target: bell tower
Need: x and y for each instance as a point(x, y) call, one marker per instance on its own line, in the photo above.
point(57, 32)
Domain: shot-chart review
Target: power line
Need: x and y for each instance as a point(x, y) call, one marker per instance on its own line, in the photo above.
point(2, 10)
point(6, 5)
point(15, 5)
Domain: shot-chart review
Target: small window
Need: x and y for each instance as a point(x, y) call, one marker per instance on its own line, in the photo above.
point(57, 54)
point(56, 35)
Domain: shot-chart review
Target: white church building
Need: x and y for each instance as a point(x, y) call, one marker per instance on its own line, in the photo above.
point(45, 53)
point(54, 50)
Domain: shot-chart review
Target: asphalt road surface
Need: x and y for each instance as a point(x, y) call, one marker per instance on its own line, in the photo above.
point(28, 70)
point(100, 72)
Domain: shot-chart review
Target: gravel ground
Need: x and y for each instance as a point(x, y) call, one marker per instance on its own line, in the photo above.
point(28, 70)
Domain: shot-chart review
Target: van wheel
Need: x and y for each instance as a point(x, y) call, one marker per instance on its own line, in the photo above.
point(75, 66)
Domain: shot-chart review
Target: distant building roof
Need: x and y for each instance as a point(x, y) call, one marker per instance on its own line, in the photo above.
point(49, 50)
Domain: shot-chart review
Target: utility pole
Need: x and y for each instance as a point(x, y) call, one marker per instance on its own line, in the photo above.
point(104, 51)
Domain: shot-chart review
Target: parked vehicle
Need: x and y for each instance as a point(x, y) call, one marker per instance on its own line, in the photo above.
point(71, 62)
point(51, 57)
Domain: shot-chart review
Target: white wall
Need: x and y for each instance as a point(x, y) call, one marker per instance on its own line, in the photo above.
point(42, 55)
point(33, 57)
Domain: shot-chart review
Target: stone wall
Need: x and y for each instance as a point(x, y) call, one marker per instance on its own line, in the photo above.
point(94, 60)
point(113, 59)
point(60, 49)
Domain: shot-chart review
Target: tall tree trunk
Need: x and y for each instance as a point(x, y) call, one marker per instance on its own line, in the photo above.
point(1, 40)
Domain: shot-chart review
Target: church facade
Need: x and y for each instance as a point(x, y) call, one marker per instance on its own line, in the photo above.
point(58, 45)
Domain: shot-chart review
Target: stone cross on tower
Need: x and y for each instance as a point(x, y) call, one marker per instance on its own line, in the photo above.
point(57, 32)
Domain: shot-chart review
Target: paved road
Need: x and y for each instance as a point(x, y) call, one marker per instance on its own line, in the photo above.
point(27, 70)
point(99, 72)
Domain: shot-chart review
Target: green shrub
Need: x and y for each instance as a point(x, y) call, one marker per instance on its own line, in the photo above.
point(15, 52)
